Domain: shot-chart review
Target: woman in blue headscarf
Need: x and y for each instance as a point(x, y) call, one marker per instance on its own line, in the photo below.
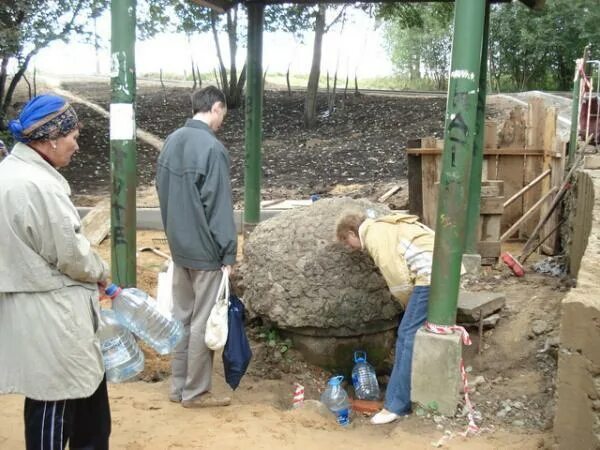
point(49, 278)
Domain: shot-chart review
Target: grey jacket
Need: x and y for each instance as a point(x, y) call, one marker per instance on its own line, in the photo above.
point(194, 192)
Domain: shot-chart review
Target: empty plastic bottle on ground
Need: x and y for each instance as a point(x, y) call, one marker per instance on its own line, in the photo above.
point(123, 359)
point(139, 313)
point(364, 378)
point(336, 399)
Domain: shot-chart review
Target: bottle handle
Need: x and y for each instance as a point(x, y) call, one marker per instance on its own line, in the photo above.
point(360, 356)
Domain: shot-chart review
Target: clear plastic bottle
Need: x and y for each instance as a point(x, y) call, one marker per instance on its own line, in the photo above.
point(137, 311)
point(364, 378)
point(336, 399)
point(123, 359)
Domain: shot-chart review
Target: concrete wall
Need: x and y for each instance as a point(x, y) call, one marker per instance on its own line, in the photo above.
point(577, 419)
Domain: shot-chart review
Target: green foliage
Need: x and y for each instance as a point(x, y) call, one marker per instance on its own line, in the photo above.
point(418, 39)
point(528, 49)
point(27, 26)
point(273, 340)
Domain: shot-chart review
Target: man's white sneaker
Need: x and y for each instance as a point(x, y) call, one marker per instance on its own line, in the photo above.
point(384, 416)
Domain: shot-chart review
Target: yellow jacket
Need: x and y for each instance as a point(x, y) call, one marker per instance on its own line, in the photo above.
point(402, 249)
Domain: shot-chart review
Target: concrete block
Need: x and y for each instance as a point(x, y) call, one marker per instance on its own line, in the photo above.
point(577, 419)
point(580, 330)
point(472, 264)
point(470, 304)
point(436, 370)
point(591, 162)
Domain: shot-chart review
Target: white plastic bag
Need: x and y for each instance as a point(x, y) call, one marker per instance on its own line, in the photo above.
point(164, 291)
point(216, 326)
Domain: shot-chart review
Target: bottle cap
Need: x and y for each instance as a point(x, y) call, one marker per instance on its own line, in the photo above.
point(335, 381)
point(360, 357)
point(111, 290)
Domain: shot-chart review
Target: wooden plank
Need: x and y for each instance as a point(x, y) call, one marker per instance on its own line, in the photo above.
point(552, 244)
point(489, 249)
point(490, 135)
point(509, 151)
point(96, 223)
point(528, 215)
point(533, 168)
point(491, 166)
point(491, 205)
point(490, 227)
point(430, 173)
point(389, 193)
point(492, 188)
point(510, 170)
point(527, 187)
point(536, 114)
point(552, 145)
point(415, 186)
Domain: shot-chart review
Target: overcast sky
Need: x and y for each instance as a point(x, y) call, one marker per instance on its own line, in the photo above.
point(360, 47)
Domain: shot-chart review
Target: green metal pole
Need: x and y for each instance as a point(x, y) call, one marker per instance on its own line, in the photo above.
point(460, 131)
point(472, 233)
point(122, 143)
point(575, 112)
point(254, 99)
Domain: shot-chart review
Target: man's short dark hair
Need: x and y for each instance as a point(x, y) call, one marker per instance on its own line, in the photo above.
point(204, 99)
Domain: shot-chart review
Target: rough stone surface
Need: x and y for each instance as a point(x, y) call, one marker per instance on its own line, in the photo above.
point(577, 419)
point(435, 371)
point(297, 277)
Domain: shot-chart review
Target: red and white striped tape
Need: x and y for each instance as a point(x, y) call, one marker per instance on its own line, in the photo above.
point(446, 329)
point(298, 395)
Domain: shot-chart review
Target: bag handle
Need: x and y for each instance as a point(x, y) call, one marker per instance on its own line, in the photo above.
point(223, 293)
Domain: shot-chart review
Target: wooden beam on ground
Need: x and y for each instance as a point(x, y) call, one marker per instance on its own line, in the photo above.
point(96, 223)
point(389, 193)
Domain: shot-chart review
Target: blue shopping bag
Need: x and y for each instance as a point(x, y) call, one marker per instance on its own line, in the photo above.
point(237, 352)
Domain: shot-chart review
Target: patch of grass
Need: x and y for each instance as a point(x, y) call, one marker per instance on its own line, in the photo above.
point(274, 340)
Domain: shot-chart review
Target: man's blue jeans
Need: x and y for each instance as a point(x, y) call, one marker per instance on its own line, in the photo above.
point(397, 395)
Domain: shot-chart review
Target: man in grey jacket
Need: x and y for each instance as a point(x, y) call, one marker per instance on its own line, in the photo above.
point(194, 192)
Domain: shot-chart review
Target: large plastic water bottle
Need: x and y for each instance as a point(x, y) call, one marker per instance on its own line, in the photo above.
point(364, 378)
point(139, 313)
point(336, 399)
point(123, 358)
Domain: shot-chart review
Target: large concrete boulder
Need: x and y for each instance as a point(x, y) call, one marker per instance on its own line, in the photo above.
point(329, 299)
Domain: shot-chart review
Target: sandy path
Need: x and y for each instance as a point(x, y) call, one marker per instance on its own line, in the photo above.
point(144, 419)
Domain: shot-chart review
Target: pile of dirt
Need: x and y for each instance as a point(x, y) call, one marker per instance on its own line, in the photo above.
point(361, 145)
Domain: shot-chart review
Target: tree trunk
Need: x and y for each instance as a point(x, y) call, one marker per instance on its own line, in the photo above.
point(310, 102)
point(12, 86)
point(222, 70)
point(235, 96)
point(287, 80)
point(194, 75)
point(199, 77)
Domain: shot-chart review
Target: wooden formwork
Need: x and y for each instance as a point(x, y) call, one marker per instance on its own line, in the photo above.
point(523, 152)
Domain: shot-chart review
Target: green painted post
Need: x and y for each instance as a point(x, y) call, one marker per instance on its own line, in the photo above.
point(460, 132)
point(254, 99)
point(472, 233)
point(575, 112)
point(122, 143)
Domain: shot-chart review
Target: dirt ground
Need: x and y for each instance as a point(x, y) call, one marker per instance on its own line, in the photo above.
point(514, 397)
point(360, 153)
point(362, 144)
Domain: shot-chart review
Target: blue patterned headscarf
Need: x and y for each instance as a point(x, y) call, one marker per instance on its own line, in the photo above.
point(43, 117)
